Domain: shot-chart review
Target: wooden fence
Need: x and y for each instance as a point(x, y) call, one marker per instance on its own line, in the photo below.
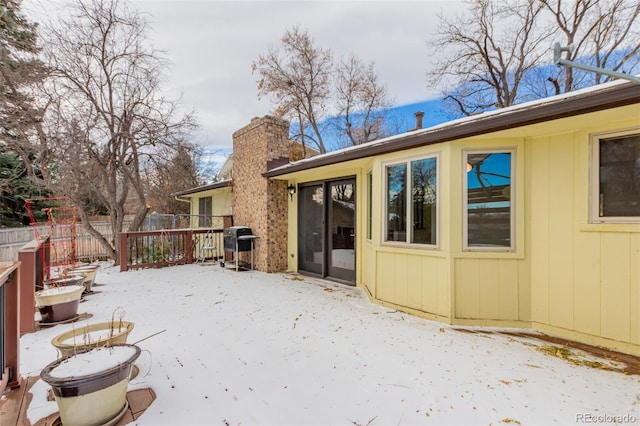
point(87, 247)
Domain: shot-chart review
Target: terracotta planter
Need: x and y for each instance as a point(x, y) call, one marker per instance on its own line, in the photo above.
point(92, 336)
point(58, 303)
point(89, 273)
point(90, 388)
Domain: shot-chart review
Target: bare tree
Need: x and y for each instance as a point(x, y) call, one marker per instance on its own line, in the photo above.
point(362, 102)
point(603, 33)
point(500, 54)
point(488, 53)
point(170, 173)
point(297, 78)
point(107, 116)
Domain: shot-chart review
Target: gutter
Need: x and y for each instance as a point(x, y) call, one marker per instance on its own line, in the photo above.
point(571, 104)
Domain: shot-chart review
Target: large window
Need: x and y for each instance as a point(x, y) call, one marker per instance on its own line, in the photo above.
point(205, 210)
point(488, 200)
point(412, 201)
point(616, 178)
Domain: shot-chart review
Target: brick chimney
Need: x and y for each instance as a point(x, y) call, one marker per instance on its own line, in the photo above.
point(260, 203)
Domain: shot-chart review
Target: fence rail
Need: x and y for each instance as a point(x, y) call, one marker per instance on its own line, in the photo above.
point(87, 247)
point(154, 249)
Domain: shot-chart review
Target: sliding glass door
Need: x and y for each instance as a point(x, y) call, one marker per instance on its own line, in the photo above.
point(310, 228)
point(327, 229)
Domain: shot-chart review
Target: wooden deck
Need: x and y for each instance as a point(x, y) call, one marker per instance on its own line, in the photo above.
point(13, 408)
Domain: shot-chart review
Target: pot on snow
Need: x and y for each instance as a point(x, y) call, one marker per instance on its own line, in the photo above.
point(63, 281)
point(90, 388)
point(92, 336)
point(58, 303)
point(88, 272)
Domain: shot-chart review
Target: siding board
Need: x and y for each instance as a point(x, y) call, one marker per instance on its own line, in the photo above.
point(538, 225)
point(586, 270)
point(615, 279)
point(561, 232)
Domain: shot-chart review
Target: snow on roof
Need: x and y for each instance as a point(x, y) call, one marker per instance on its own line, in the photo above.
point(465, 121)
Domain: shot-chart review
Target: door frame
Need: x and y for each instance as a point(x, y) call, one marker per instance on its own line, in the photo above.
point(326, 271)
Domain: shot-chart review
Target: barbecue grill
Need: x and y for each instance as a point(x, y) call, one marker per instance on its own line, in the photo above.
point(231, 237)
point(237, 239)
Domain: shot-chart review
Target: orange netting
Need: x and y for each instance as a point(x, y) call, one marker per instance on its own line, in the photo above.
point(60, 227)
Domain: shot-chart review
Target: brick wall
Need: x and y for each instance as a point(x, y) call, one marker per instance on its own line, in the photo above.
point(259, 203)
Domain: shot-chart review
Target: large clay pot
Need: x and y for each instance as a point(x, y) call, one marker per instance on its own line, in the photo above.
point(89, 273)
point(90, 388)
point(64, 281)
point(58, 303)
point(92, 336)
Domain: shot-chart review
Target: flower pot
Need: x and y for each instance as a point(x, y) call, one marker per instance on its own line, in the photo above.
point(89, 273)
point(64, 281)
point(58, 303)
point(92, 336)
point(90, 388)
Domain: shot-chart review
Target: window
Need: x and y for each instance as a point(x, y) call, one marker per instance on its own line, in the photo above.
point(369, 203)
point(616, 178)
point(488, 200)
point(205, 211)
point(412, 201)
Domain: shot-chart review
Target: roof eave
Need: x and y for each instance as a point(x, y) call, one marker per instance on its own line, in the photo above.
point(208, 187)
point(522, 115)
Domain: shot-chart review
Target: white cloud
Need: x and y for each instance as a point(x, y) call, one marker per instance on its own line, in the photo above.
point(211, 45)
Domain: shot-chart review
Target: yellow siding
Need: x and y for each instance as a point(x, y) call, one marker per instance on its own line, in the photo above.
point(566, 276)
point(416, 282)
point(487, 289)
point(615, 290)
point(222, 202)
point(560, 203)
point(537, 156)
point(586, 272)
point(368, 268)
point(585, 278)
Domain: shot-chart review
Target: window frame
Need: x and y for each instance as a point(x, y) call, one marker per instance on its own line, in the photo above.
point(409, 202)
point(594, 178)
point(369, 231)
point(512, 201)
point(203, 216)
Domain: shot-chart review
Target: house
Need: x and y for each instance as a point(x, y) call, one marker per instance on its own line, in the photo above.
point(527, 216)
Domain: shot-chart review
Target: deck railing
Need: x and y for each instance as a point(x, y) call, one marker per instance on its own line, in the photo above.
point(154, 249)
point(18, 282)
point(9, 325)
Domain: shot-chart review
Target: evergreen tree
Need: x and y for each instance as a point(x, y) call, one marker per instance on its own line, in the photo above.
point(20, 71)
point(15, 188)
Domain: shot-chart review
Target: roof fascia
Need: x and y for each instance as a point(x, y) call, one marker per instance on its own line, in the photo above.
point(558, 107)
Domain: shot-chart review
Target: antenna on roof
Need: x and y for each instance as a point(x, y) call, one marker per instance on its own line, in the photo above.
point(557, 58)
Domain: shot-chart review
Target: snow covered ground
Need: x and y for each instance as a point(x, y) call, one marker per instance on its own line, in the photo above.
point(280, 349)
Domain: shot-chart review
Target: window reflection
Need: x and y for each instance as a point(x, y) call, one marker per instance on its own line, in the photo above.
point(489, 199)
point(396, 203)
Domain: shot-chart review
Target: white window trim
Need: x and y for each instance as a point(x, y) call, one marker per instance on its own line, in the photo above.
point(512, 206)
point(384, 221)
point(594, 178)
point(369, 206)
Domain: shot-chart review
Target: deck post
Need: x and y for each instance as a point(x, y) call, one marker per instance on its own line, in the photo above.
point(9, 279)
